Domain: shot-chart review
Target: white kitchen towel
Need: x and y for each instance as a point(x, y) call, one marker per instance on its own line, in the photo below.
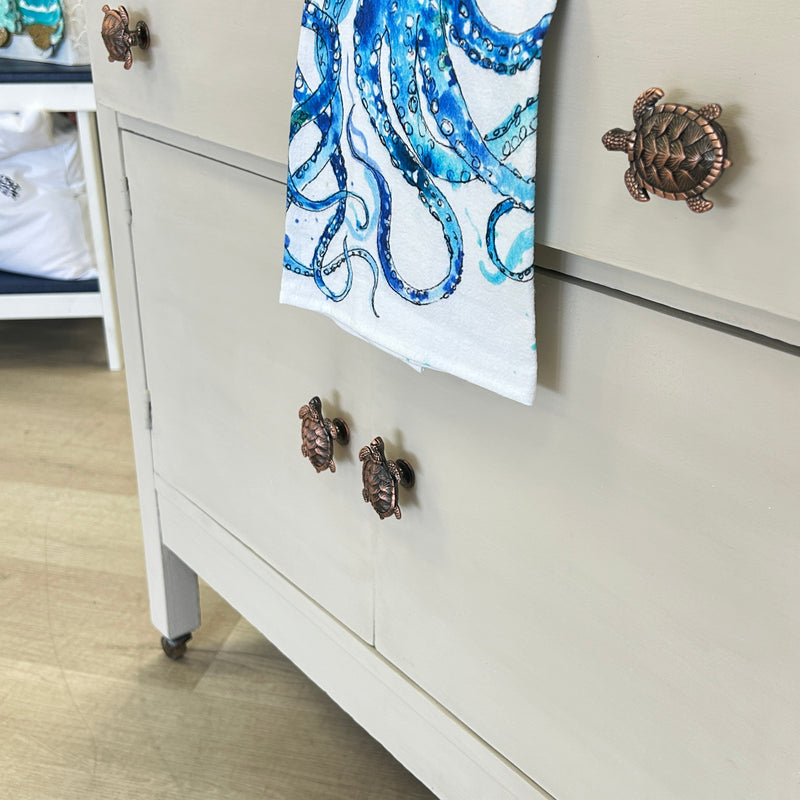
point(411, 180)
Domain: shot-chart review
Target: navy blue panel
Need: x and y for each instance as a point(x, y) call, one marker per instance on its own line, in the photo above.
point(13, 70)
point(12, 283)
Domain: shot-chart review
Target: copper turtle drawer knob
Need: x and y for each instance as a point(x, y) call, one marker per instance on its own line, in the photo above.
point(674, 151)
point(318, 435)
point(119, 39)
point(381, 478)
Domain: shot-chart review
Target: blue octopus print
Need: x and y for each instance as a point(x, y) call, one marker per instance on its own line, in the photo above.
point(387, 89)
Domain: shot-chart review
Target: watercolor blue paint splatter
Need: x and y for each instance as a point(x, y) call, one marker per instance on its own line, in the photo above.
point(477, 230)
point(493, 277)
point(522, 245)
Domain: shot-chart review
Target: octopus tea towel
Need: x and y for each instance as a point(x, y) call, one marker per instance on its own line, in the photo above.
point(411, 180)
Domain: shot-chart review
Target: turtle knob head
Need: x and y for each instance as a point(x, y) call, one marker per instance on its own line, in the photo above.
point(315, 404)
point(616, 139)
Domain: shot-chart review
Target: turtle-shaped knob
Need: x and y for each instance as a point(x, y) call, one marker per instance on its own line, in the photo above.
point(674, 151)
point(382, 477)
point(118, 39)
point(318, 435)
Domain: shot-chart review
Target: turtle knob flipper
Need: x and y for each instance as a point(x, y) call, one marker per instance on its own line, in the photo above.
point(699, 204)
point(646, 101)
point(710, 111)
point(638, 192)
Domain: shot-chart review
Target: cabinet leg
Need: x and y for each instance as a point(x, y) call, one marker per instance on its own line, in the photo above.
point(175, 648)
point(174, 597)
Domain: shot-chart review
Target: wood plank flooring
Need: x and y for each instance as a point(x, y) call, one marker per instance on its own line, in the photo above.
point(89, 705)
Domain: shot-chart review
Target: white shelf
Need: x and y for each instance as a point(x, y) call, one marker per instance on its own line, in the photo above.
point(50, 96)
point(79, 97)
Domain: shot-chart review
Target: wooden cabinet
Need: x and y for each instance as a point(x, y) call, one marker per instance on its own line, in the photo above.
point(595, 596)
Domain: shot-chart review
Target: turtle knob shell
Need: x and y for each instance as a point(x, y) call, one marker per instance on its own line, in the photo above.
point(674, 151)
point(381, 479)
point(119, 39)
point(318, 435)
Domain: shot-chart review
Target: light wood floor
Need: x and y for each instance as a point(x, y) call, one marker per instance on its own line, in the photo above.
point(89, 705)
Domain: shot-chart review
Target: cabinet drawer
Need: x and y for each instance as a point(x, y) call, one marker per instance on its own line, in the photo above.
point(604, 585)
point(598, 58)
point(228, 370)
point(222, 73)
point(227, 77)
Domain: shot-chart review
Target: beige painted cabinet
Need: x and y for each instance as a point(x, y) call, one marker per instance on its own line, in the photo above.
point(593, 597)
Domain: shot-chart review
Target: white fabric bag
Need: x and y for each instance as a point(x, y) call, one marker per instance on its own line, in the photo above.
point(44, 218)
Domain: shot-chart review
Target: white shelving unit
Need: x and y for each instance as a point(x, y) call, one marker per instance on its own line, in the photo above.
point(67, 89)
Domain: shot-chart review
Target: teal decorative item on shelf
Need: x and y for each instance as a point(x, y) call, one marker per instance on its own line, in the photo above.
point(10, 21)
point(42, 20)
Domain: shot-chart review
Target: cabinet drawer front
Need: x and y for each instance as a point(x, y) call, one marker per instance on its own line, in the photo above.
point(604, 586)
point(222, 73)
point(228, 369)
point(227, 76)
point(598, 58)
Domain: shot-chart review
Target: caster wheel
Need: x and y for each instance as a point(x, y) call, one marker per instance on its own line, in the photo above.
point(175, 648)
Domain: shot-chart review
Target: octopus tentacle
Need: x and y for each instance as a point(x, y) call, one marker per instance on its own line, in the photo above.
point(367, 71)
point(444, 94)
point(435, 154)
point(331, 229)
point(318, 268)
point(311, 107)
point(295, 197)
point(514, 130)
point(328, 119)
point(453, 240)
point(336, 9)
point(500, 210)
point(326, 30)
point(294, 265)
point(329, 123)
point(488, 46)
point(364, 254)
